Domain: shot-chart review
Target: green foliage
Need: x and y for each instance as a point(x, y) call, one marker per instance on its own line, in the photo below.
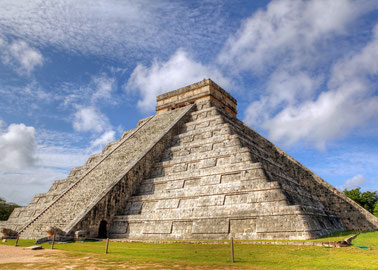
point(367, 199)
point(375, 212)
point(6, 209)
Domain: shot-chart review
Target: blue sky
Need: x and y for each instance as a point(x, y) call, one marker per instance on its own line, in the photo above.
point(75, 74)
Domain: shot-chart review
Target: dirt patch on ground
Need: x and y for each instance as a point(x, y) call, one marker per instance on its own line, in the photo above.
point(20, 258)
point(9, 254)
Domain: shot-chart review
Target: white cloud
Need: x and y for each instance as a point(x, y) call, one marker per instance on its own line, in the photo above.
point(103, 87)
point(114, 28)
point(349, 102)
point(283, 89)
point(21, 185)
point(99, 143)
point(20, 55)
point(55, 155)
point(90, 119)
point(288, 32)
point(87, 101)
point(17, 147)
point(161, 77)
point(354, 182)
point(292, 46)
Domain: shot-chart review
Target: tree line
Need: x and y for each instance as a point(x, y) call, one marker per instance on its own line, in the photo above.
point(367, 199)
point(6, 209)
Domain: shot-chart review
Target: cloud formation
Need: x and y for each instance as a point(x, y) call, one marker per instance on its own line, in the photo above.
point(98, 144)
point(288, 32)
point(54, 156)
point(112, 28)
point(20, 55)
point(289, 46)
point(17, 147)
point(349, 102)
point(354, 182)
point(180, 70)
point(88, 116)
point(90, 119)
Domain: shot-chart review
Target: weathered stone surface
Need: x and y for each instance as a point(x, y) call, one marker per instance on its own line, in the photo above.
point(192, 173)
point(95, 195)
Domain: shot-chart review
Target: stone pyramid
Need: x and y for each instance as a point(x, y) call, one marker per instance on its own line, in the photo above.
point(192, 171)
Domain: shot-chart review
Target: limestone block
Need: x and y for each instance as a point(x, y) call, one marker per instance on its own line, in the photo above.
point(175, 185)
point(236, 199)
point(203, 124)
point(206, 135)
point(205, 148)
point(157, 227)
point(135, 227)
point(182, 229)
point(210, 200)
point(146, 188)
point(210, 180)
point(240, 227)
point(206, 163)
point(119, 227)
point(210, 226)
point(179, 168)
point(135, 207)
point(167, 204)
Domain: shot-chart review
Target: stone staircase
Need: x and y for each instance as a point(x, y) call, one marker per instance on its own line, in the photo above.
point(21, 216)
point(100, 174)
point(208, 185)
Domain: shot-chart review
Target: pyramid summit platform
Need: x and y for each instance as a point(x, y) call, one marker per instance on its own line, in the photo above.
point(192, 171)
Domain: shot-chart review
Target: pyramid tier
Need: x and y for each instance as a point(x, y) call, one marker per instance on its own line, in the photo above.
point(209, 186)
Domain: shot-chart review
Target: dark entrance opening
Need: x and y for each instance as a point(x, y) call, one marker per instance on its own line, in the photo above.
point(102, 230)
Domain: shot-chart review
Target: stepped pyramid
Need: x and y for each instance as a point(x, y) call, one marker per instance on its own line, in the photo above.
point(192, 171)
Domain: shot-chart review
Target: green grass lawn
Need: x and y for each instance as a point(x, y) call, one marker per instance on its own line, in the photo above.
point(369, 239)
point(178, 255)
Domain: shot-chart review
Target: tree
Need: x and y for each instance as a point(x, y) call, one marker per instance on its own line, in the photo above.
point(376, 210)
point(6, 209)
point(367, 199)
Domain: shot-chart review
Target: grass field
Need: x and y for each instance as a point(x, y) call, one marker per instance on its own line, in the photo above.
point(210, 256)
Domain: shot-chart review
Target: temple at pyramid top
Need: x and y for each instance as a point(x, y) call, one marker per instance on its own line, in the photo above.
point(205, 90)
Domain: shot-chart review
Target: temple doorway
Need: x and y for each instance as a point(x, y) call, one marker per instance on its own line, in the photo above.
point(102, 230)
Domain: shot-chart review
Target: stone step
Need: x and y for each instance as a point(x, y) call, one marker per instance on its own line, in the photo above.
point(93, 159)
point(200, 161)
point(204, 132)
point(198, 186)
point(187, 152)
point(235, 177)
point(240, 211)
point(220, 189)
point(222, 141)
point(242, 154)
point(231, 169)
point(205, 122)
point(199, 168)
point(206, 203)
point(192, 141)
point(110, 146)
point(203, 113)
point(216, 182)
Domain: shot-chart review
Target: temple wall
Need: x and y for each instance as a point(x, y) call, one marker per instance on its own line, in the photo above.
point(281, 167)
